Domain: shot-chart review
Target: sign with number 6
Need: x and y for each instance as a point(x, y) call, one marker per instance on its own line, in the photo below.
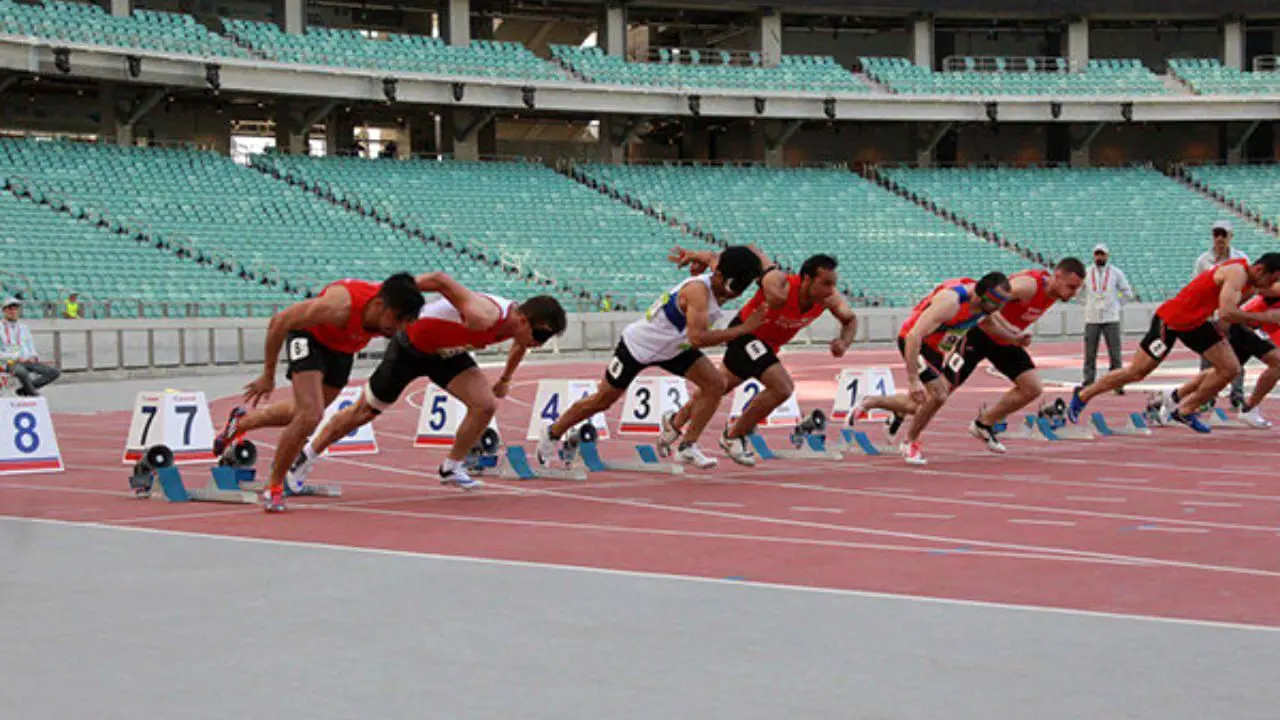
point(178, 419)
point(360, 441)
point(29, 444)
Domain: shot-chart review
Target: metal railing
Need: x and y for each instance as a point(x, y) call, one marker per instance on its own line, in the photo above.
point(1007, 64)
point(1266, 63)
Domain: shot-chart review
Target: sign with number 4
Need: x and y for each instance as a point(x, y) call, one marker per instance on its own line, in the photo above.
point(556, 396)
point(360, 441)
point(648, 399)
point(180, 420)
point(441, 415)
point(29, 444)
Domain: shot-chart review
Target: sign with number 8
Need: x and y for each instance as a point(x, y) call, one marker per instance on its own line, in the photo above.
point(29, 443)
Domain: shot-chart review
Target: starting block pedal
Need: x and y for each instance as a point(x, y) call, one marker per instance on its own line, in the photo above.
point(589, 453)
point(813, 447)
point(515, 465)
point(859, 441)
point(1038, 427)
point(155, 471)
point(1218, 418)
point(1134, 426)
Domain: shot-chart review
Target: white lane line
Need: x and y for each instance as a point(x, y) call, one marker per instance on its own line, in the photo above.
point(807, 509)
point(1124, 481)
point(1227, 483)
point(712, 504)
point(985, 494)
point(1095, 499)
point(892, 489)
point(1159, 528)
point(1054, 523)
point(924, 516)
point(1208, 503)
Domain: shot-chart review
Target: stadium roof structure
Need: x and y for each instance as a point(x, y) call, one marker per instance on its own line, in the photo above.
point(987, 8)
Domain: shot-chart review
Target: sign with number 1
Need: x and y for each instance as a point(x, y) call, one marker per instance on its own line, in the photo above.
point(853, 385)
point(178, 419)
point(27, 440)
point(360, 441)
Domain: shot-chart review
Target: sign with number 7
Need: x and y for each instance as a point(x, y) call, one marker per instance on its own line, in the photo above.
point(180, 420)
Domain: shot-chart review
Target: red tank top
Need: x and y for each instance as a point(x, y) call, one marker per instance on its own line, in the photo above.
point(439, 329)
point(945, 338)
point(1260, 303)
point(781, 324)
point(1197, 302)
point(351, 337)
point(1021, 314)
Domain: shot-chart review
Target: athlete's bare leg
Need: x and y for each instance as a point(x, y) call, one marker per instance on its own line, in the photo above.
point(778, 386)
point(278, 414)
point(308, 410)
point(682, 415)
point(343, 423)
point(710, 383)
point(1138, 368)
point(936, 393)
point(1266, 381)
point(476, 392)
point(1225, 368)
point(1026, 388)
point(899, 404)
point(601, 400)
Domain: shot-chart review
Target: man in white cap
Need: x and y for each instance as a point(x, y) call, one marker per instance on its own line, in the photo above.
point(18, 352)
point(1221, 252)
point(1105, 288)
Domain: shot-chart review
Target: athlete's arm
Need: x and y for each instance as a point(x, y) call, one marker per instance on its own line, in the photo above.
point(476, 311)
point(697, 260)
point(775, 287)
point(941, 308)
point(333, 307)
point(694, 296)
point(1000, 328)
point(514, 357)
point(839, 307)
point(1233, 280)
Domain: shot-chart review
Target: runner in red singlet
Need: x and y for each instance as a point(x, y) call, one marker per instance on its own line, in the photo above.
point(937, 331)
point(438, 345)
point(1187, 316)
point(793, 302)
point(1248, 341)
point(324, 334)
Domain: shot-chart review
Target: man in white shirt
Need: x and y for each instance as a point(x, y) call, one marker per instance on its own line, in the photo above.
point(1221, 252)
point(1105, 289)
point(18, 352)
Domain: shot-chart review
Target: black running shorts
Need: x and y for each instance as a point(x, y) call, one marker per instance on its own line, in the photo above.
point(748, 356)
point(402, 364)
point(933, 363)
point(1009, 360)
point(307, 354)
point(1159, 340)
point(623, 367)
point(1248, 343)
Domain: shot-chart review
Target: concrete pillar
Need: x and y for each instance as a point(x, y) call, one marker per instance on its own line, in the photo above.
point(771, 36)
point(293, 16)
point(121, 8)
point(288, 140)
point(612, 35)
point(456, 23)
point(775, 157)
point(1078, 43)
point(638, 42)
point(924, 158)
point(1233, 43)
point(607, 149)
point(339, 132)
point(922, 42)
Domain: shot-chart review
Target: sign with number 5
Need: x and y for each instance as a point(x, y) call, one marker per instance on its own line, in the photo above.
point(441, 415)
point(29, 444)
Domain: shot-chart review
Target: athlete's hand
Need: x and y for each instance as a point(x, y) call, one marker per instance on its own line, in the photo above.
point(754, 322)
point(839, 348)
point(259, 390)
point(501, 388)
point(916, 391)
point(1024, 340)
point(679, 256)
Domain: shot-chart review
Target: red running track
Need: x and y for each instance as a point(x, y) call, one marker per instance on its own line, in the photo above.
point(1175, 525)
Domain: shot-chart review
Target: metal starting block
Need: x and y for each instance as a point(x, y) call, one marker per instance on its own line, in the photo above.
point(235, 471)
point(1134, 426)
point(589, 453)
point(515, 465)
point(814, 447)
point(859, 441)
point(1038, 427)
point(155, 471)
point(1218, 418)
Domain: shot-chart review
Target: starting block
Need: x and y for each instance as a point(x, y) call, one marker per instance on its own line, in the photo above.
point(155, 470)
point(1134, 426)
point(808, 441)
point(1218, 418)
point(859, 441)
point(589, 452)
point(515, 465)
point(1039, 427)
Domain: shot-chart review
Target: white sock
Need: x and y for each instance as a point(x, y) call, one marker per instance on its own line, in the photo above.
point(451, 464)
point(309, 452)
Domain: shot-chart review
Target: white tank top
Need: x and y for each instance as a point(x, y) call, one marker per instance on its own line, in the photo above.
point(664, 333)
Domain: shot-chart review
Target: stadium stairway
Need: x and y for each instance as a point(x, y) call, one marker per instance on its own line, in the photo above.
point(1244, 190)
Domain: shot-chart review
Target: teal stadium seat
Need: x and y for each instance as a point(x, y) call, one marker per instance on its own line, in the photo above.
point(1100, 77)
point(76, 22)
point(1255, 188)
point(1208, 76)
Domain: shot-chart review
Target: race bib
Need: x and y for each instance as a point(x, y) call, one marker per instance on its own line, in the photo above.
point(950, 339)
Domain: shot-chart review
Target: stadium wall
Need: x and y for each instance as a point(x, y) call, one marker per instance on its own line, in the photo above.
point(93, 349)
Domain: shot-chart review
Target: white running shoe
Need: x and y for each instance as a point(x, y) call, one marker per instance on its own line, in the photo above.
point(297, 476)
point(692, 455)
point(1167, 406)
point(668, 435)
point(1254, 419)
point(737, 449)
point(988, 436)
point(547, 446)
point(911, 453)
point(452, 473)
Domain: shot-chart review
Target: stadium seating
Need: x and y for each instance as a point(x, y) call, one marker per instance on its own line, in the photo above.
point(1155, 226)
point(889, 248)
point(344, 47)
point(536, 218)
point(1101, 77)
point(56, 252)
point(85, 23)
point(206, 201)
point(811, 73)
point(1255, 189)
point(1208, 76)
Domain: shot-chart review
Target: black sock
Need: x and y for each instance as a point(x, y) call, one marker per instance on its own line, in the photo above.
point(1246, 407)
point(685, 445)
point(1174, 397)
